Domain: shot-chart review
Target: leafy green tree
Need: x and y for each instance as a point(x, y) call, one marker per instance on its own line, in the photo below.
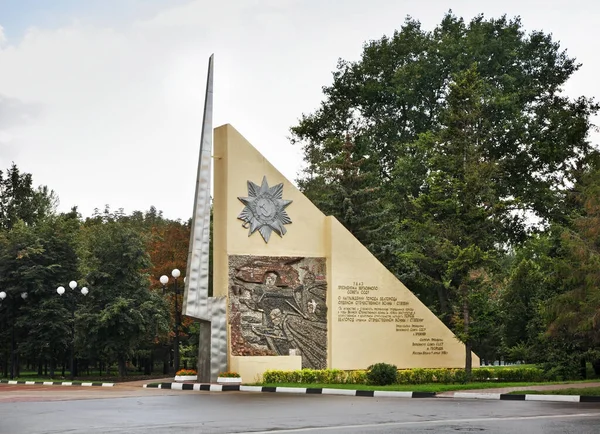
point(459, 204)
point(347, 186)
point(122, 314)
point(468, 137)
point(530, 281)
point(46, 316)
point(574, 313)
point(35, 248)
point(19, 200)
point(395, 105)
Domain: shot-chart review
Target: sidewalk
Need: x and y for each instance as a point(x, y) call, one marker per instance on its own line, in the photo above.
point(503, 390)
point(140, 383)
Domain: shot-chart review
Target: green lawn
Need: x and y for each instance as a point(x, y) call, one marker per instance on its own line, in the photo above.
point(587, 391)
point(431, 387)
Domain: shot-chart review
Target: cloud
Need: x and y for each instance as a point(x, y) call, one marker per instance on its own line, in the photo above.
point(14, 112)
point(122, 107)
point(14, 115)
point(114, 109)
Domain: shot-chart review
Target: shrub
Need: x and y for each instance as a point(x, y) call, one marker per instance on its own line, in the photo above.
point(333, 376)
point(382, 374)
point(460, 376)
point(275, 376)
point(421, 376)
point(406, 376)
point(482, 374)
point(186, 372)
point(229, 375)
point(357, 377)
point(444, 376)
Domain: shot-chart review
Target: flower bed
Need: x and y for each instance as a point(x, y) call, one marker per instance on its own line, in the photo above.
point(229, 378)
point(186, 375)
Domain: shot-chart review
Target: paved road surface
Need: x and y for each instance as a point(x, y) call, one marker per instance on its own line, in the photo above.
point(131, 410)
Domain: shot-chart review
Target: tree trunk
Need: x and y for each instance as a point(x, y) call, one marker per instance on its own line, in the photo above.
point(444, 305)
point(122, 366)
point(468, 350)
point(166, 356)
point(583, 369)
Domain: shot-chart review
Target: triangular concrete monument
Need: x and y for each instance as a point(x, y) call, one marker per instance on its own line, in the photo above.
point(292, 287)
point(301, 290)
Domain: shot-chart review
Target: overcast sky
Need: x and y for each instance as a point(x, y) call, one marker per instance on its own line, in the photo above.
point(101, 100)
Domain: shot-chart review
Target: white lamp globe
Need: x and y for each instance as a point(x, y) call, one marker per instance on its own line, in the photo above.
point(23, 295)
point(164, 279)
point(175, 273)
point(72, 284)
point(84, 290)
point(60, 290)
point(2, 295)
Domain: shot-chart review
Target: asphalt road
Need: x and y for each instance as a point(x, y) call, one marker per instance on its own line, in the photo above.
point(238, 412)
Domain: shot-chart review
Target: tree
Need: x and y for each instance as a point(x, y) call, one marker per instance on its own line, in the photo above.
point(46, 315)
point(19, 200)
point(122, 314)
point(468, 136)
point(575, 311)
point(346, 186)
point(35, 247)
point(168, 249)
point(530, 281)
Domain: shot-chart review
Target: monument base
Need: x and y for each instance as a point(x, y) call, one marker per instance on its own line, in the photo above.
point(251, 368)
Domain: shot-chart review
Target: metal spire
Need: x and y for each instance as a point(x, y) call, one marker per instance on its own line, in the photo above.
point(195, 298)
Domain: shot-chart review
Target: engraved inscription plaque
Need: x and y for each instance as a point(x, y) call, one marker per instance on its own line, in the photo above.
point(358, 303)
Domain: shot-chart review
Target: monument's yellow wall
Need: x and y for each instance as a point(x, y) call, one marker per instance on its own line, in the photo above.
point(236, 163)
point(375, 318)
point(251, 368)
point(351, 270)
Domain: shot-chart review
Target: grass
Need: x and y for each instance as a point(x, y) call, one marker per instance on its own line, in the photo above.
point(430, 387)
point(587, 391)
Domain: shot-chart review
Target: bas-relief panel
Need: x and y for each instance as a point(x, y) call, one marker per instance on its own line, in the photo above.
point(278, 307)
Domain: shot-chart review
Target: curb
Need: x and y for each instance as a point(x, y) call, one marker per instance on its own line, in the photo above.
point(369, 393)
point(299, 390)
point(508, 397)
point(56, 383)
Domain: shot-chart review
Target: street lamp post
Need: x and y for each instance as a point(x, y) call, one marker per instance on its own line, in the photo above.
point(61, 290)
point(164, 280)
point(3, 295)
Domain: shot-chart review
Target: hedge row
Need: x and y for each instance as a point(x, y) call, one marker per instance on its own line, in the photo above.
point(406, 376)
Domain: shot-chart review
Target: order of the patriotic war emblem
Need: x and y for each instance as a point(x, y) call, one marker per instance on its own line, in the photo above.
point(265, 209)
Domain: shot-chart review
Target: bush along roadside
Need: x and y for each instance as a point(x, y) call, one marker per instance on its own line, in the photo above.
point(380, 372)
